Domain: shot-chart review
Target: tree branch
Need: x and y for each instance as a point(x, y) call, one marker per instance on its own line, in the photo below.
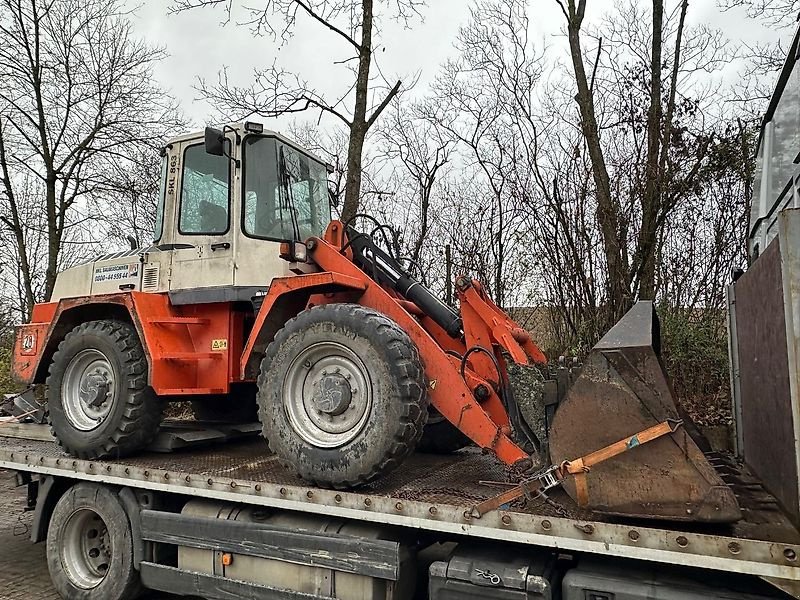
point(376, 113)
point(327, 24)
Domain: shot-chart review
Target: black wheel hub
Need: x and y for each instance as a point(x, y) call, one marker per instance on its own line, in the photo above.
point(332, 395)
point(94, 390)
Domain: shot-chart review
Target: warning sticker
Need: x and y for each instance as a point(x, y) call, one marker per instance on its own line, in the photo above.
point(116, 272)
point(219, 344)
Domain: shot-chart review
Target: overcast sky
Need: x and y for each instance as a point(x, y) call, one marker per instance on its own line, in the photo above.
point(199, 45)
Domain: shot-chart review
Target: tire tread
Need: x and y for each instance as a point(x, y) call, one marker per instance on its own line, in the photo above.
point(404, 364)
point(141, 416)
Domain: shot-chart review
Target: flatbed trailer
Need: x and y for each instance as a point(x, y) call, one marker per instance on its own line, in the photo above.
point(431, 498)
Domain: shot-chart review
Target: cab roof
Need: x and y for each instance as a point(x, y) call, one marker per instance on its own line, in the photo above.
point(239, 127)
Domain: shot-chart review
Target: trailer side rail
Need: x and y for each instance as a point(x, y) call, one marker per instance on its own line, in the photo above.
point(720, 552)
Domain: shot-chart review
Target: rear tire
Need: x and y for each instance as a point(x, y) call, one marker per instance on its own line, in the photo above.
point(99, 401)
point(90, 546)
point(342, 395)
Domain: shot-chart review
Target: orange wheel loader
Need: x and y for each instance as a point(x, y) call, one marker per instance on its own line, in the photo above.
point(251, 300)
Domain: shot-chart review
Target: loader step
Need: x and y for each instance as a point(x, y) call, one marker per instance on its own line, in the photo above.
point(192, 356)
point(178, 435)
point(180, 321)
point(190, 391)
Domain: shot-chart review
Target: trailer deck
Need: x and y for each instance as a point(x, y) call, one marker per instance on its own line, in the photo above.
point(436, 493)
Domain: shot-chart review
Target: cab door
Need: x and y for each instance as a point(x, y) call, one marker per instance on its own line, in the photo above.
point(202, 255)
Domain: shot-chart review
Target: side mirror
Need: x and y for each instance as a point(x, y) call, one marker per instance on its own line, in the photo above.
point(214, 142)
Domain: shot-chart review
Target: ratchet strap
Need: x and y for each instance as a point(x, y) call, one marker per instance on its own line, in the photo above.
point(552, 476)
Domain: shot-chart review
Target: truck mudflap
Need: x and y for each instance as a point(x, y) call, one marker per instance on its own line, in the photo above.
point(623, 390)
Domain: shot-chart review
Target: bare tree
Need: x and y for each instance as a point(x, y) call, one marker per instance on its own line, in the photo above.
point(608, 208)
point(124, 201)
point(520, 201)
point(75, 90)
point(274, 91)
point(23, 275)
point(532, 189)
point(780, 13)
point(762, 59)
point(474, 102)
point(419, 147)
point(632, 267)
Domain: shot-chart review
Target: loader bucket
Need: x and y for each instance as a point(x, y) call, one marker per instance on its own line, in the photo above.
point(621, 391)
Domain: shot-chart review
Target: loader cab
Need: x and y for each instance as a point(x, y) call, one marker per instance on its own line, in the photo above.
point(223, 214)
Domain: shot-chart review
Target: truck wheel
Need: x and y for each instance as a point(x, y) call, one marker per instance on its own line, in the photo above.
point(99, 401)
point(90, 546)
point(342, 395)
point(441, 436)
point(239, 406)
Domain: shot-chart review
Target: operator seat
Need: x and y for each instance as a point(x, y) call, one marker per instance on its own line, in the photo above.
point(213, 218)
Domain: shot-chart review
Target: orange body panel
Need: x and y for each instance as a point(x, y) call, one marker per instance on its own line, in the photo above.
point(190, 349)
point(287, 296)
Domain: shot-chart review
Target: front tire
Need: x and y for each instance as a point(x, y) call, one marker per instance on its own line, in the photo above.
point(342, 395)
point(99, 401)
point(90, 546)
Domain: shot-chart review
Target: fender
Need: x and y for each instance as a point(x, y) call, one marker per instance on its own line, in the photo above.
point(286, 298)
point(49, 490)
point(35, 342)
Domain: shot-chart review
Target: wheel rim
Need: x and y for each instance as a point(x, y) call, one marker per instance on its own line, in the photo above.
point(327, 395)
point(85, 549)
point(88, 390)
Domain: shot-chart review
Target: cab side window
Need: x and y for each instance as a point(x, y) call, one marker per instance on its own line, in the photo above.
point(205, 193)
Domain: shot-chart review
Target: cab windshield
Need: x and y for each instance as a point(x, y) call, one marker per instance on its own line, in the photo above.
point(285, 191)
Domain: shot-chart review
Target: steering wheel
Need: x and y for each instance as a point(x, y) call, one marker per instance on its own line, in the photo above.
point(268, 227)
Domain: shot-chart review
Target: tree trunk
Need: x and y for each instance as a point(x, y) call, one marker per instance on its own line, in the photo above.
point(425, 202)
point(653, 176)
point(359, 126)
point(618, 295)
point(53, 238)
point(15, 224)
point(499, 287)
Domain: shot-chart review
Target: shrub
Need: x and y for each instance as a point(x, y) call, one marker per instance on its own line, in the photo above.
point(695, 354)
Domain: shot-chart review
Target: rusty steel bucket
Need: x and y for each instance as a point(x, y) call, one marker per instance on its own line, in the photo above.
point(621, 391)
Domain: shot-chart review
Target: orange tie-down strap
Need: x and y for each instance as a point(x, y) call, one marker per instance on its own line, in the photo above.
point(578, 468)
